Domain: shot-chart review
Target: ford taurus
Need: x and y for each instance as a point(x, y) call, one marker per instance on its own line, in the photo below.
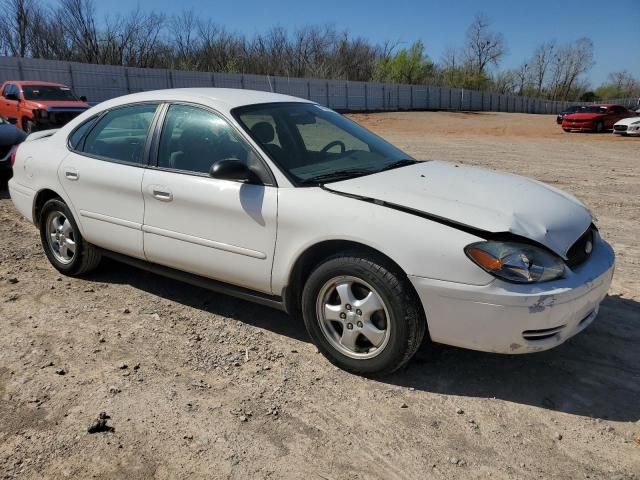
point(282, 201)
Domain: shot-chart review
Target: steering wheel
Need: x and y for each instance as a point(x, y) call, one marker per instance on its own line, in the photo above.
point(330, 145)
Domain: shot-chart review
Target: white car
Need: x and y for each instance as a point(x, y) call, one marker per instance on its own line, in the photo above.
point(627, 126)
point(285, 202)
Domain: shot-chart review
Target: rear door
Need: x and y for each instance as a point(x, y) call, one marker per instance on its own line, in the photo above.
point(221, 229)
point(103, 176)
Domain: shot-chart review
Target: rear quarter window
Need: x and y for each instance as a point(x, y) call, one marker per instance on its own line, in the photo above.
point(78, 134)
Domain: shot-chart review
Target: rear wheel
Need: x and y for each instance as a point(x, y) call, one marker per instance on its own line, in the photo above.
point(62, 242)
point(362, 314)
point(599, 127)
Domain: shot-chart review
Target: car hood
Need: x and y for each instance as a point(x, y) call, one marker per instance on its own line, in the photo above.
point(60, 104)
point(628, 120)
point(584, 116)
point(481, 199)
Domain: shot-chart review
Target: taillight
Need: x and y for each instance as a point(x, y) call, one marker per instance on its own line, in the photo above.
point(12, 158)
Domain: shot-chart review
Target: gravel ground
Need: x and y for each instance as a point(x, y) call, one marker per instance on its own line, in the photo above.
point(198, 385)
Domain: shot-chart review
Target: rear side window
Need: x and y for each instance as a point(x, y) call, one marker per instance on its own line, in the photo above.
point(121, 134)
point(76, 137)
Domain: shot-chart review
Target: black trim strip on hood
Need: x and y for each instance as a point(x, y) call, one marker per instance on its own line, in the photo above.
point(478, 232)
point(429, 216)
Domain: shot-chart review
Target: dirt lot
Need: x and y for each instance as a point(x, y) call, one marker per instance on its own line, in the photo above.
point(199, 385)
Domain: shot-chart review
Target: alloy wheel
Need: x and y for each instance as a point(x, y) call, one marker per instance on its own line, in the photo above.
point(61, 237)
point(353, 317)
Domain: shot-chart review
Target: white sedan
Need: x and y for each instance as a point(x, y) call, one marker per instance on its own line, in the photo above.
point(627, 126)
point(285, 202)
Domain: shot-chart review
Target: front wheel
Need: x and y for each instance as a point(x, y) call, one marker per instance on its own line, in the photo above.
point(28, 126)
point(599, 127)
point(362, 314)
point(62, 242)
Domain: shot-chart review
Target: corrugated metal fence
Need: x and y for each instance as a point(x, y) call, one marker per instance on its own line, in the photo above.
point(102, 82)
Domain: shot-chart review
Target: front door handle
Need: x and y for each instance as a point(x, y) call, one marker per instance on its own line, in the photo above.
point(71, 174)
point(161, 193)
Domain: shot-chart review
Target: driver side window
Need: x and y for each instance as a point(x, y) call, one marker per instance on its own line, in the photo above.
point(320, 134)
point(193, 139)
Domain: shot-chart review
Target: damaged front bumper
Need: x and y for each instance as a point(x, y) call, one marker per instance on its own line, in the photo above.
point(504, 317)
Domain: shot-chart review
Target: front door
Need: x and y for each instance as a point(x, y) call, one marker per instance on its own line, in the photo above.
point(221, 229)
point(10, 107)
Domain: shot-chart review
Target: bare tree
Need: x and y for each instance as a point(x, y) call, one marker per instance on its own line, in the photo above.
point(49, 39)
point(77, 18)
point(570, 61)
point(523, 76)
point(484, 47)
point(186, 41)
point(16, 26)
point(506, 82)
point(624, 83)
point(540, 63)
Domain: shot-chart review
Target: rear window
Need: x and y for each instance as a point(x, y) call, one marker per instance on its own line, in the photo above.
point(48, 92)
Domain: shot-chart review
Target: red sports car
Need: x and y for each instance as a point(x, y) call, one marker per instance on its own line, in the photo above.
point(595, 118)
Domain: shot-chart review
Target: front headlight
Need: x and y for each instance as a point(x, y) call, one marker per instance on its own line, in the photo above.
point(515, 262)
point(635, 123)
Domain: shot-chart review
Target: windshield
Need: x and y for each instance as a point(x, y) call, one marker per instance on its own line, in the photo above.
point(574, 109)
point(313, 144)
point(594, 110)
point(48, 92)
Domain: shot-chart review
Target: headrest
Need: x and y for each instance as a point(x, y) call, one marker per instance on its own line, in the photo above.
point(263, 132)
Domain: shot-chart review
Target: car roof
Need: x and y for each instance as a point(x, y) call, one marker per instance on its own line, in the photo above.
point(35, 82)
point(224, 99)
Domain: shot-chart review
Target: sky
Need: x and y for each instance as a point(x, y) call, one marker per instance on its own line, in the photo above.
point(613, 27)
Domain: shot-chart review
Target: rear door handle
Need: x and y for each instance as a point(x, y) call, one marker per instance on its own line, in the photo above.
point(161, 193)
point(71, 174)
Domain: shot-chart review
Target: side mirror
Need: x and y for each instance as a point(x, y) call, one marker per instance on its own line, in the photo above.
point(233, 169)
point(11, 96)
point(83, 98)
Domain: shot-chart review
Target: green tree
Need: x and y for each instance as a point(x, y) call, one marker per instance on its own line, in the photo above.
point(406, 66)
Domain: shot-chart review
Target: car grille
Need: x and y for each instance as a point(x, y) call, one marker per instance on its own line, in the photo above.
point(620, 128)
point(579, 251)
point(62, 118)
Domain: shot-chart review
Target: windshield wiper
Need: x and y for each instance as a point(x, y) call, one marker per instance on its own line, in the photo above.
point(337, 175)
point(400, 163)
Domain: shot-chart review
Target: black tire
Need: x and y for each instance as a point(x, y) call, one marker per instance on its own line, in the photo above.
point(28, 126)
point(567, 130)
point(405, 316)
point(85, 258)
point(599, 127)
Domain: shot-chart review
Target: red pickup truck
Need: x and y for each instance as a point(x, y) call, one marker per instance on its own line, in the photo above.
point(33, 105)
